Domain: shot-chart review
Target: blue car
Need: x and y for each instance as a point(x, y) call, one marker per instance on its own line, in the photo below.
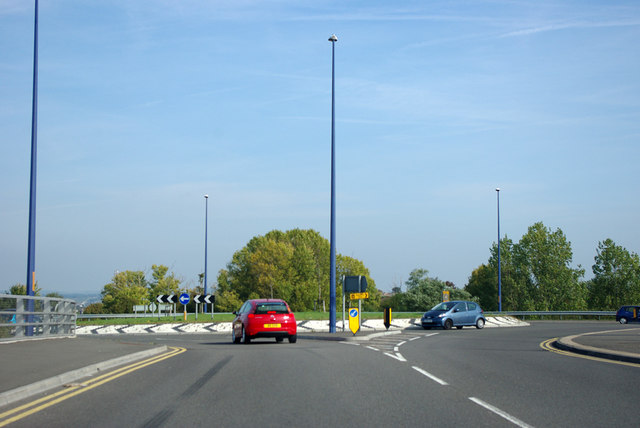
point(454, 314)
point(628, 314)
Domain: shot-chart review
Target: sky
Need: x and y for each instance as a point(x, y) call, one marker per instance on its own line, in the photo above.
point(145, 107)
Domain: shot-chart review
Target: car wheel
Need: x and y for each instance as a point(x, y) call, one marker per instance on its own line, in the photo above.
point(623, 321)
point(448, 324)
point(245, 336)
point(293, 338)
point(480, 323)
point(279, 339)
point(234, 339)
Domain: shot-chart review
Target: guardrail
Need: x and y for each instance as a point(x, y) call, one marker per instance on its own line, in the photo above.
point(34, 317)
point(552, 314)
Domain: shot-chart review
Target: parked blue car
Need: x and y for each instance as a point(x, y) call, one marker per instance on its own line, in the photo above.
point(628, 314)
point(454, 314)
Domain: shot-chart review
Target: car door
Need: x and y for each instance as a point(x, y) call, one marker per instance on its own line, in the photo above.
point(474, 311)
point(238, 321)
point(459, 314)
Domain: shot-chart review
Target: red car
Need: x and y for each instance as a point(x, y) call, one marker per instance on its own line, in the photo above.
point(264, 318)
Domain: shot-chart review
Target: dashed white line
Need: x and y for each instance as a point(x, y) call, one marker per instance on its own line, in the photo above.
point(414, 338)
point(500, 413)
point(349, 343)
point(371, 347)
point(401, 343)
point(430, 376)
point(430, 334)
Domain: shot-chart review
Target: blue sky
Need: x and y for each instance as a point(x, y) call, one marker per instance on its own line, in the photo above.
point(144, 107)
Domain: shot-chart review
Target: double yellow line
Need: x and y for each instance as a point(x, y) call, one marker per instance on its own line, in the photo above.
point(78, 388)
point(547, 345)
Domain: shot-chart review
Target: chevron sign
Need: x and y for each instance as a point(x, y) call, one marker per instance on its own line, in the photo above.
point(166, 298)
point(204, 299)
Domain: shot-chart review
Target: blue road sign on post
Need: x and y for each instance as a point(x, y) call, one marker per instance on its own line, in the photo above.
point(184, 298)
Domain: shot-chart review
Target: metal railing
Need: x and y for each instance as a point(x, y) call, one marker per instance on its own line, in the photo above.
point(554, 314)
point(34, 317)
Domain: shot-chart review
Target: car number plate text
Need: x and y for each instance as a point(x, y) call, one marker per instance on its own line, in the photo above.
point(272, 326)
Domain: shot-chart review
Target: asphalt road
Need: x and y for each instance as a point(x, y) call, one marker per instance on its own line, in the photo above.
point(490, 377)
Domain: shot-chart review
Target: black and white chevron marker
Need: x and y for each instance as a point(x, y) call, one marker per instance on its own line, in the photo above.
point(199, 298)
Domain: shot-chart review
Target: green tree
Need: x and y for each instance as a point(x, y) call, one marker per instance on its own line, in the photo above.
point(616, 278)
point(543, 275)
point(55, 294)
point(94, 308)
point(21, 289)
point(125, 290)
point(483, 284)
point(292, 265)
point(161, 283)
point(348, 266)
point(423, 292)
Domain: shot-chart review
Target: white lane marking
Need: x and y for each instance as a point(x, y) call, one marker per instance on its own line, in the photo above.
point(430, 376)
point(430, 334)
point(395, 349)
point(414, 338)
point(349, 343)
point(500, 413)
point(371, 347)
point(398, 356)
point(401, 343)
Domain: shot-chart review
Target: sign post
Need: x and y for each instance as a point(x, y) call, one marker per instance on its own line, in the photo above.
point(199, 298)
point(357, 285)
point(387, 318)
point(184, 299)
point(165, 298)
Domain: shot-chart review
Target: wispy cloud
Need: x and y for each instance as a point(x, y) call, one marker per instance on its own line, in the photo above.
point(569, 25)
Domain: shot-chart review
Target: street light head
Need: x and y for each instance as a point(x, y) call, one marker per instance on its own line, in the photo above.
point(206, 196)
point(497, 189)
point(333, 38)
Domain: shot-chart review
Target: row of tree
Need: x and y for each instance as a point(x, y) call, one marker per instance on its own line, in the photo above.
point(536, 274)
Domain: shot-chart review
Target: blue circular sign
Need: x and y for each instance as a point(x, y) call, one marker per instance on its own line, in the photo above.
point(184, 298)
point(353, 313)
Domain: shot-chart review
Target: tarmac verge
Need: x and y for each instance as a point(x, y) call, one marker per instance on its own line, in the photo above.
point(616, 345)
point(26, 391)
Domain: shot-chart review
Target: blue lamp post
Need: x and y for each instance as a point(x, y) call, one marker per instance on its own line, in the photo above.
point(206, 218)
point(499, 264)
point(31, 244)
point(332, 268)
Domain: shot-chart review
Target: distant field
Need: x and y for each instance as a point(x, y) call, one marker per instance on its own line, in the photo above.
point(226, 317)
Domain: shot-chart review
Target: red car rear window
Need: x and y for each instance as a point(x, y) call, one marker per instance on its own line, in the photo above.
point(271, 308)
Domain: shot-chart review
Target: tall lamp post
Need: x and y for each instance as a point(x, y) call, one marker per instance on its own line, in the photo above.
point(206, 218)
point(31, 244)
point(499, 264)
point(332, 268)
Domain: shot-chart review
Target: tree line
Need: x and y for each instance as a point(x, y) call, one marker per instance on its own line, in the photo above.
point(536, 275)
